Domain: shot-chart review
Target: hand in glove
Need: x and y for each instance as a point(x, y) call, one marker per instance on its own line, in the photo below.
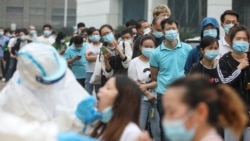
point(71, 136)
point(86, 110)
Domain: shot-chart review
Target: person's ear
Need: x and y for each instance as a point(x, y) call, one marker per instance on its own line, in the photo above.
point(202, 50)
point(200, 116)
point(221, 24)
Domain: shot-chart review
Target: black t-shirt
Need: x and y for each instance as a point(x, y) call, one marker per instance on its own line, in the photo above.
point(212, 73)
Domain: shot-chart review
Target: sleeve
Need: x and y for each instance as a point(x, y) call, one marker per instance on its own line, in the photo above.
point(128, 54)
point(154, 60)
point(105, 73)
point(15, 129)
point(227, 76)
point(132, 73)
point(189, 61)
point(67, 55)
point(11, 43)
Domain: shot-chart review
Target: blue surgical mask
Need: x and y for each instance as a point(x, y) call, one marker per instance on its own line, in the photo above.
point(147, 52)
point(23, 37)
point(95, 38)
point(227, 28)
point(107, 114)
point(171, 35)
point(146, 31)
point(157, 34)
point(210, 32)
point(176, 131)
point(109, 38)
point(1, 33)
point(211, 54)
point(240, 46)
point(130, 41)
point(46, 32)
point(32, 32)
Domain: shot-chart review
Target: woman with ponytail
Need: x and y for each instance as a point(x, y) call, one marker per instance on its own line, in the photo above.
point(194, 108)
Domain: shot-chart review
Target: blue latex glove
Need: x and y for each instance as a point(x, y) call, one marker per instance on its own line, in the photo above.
point(71, 136)
point(86, 110)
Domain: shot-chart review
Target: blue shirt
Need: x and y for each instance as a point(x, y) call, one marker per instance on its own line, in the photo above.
point(170, 64)
point(3, 40)
point(78, 67)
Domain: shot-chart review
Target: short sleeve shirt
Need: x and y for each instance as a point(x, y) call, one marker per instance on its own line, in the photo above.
point(78, 67)
point(170, 64)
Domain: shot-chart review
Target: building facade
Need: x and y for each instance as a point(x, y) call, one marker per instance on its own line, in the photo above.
point(188, 12)
point(36, 12)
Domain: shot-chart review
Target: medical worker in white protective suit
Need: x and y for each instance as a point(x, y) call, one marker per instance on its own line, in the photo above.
point(43, 89)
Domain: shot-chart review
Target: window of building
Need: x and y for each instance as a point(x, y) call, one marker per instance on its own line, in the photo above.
point(37, 11)
point(243, 8)
point(57, 11)
point(189, 13)
point(14, 10)
point(57, 18)
point(132, 10)
point(71, 11)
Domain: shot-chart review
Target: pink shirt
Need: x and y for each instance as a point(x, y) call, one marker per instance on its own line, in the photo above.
point(212, 135)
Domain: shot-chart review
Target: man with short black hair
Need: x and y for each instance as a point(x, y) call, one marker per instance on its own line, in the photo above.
point(228, 19)
point(45, 38)
point(80, 27)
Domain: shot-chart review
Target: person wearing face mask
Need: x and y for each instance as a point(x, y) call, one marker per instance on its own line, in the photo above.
point(45, 38)
point(32, 33)
point(210, 50)
point(119, 105)
point(161, 11)
point(157, 31)
point(20, 42)
point(233, 68)
point(75, 56)
point(127, 36)
point(59, 44)
point(209, 27)
point(142, 28)
point(92, 51)
point(229, 18)
point(139, 71)
point(3, 40)
point(114, 58)
point(193, 108)
point(168, 60)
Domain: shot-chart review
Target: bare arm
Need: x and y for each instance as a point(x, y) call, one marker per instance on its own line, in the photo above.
point(154, 73)
point(90, 57)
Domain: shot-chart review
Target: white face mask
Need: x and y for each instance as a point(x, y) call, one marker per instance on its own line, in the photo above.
point(146, 31)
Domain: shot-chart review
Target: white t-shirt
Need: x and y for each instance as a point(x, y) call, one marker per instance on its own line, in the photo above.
point(131, 132)
point(224, 47)
point(95, 50)
point(47, 41)
point(139, 71)
point(212, 135)
point(12, 42)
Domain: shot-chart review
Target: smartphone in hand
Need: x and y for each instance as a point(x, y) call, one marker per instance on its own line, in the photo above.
point(104, 49)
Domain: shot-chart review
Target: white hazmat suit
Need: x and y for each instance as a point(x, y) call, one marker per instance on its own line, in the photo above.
point(43, 89)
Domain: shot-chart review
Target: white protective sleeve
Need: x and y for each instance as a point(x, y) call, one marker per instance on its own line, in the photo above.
point(13, 128)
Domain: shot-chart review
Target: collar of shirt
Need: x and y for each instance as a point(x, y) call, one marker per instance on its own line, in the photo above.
point(224, 42)
point(163, 47)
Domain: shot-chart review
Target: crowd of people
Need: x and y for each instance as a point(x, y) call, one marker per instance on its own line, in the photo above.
point(143, 78)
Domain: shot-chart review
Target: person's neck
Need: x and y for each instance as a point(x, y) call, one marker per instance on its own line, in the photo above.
point(238, 56)
point(143, 58)
point(208, 63)
point(171, 44)
point(227, 39)
point(202, 131)
point(96, 43)
point(46, 36)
